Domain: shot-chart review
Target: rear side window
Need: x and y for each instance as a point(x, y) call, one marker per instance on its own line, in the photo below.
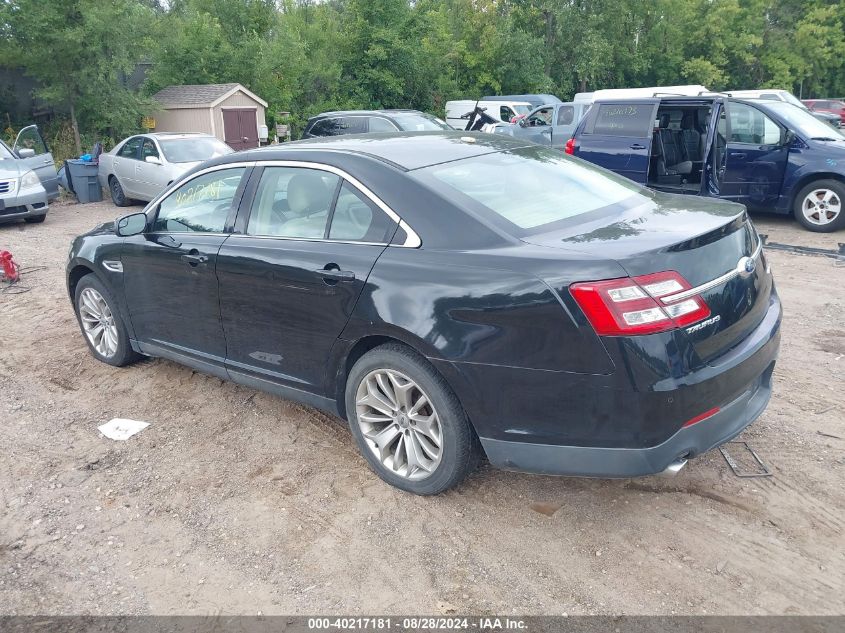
point(378, 124)
point(624, 119)
point(358, 219)
point(566, 115)
point(326, 127)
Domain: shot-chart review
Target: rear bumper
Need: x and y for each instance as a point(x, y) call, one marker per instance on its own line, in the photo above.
point(590, 461)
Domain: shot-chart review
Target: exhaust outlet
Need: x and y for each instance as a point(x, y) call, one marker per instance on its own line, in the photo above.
point(674, 468)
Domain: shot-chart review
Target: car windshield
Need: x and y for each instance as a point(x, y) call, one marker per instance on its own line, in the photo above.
point(419, 122)
point(532, 187)
point(5, 152)
point(801, 121)
point(188, 150)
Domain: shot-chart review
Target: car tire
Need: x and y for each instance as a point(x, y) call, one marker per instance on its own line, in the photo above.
point(409, 457)
point(117, 194)
point(820, 206)
point(36, 219)
point(96, 311)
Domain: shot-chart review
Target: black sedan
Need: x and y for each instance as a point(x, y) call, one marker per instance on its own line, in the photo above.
point(452, 296)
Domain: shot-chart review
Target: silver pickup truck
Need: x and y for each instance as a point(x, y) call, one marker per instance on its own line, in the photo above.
point(551, 124)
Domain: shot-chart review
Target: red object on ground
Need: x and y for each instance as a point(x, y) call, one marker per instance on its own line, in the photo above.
point(10, 268)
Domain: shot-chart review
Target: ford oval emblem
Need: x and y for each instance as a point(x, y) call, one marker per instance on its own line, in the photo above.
point(746, 266)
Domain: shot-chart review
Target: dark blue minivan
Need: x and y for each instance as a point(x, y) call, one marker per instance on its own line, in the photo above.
point(768, 155)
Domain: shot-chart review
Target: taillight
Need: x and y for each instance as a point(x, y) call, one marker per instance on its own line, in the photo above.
point(569, 148)
point(636, 305)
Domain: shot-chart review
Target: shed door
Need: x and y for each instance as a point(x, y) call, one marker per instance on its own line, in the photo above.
point(240, 128)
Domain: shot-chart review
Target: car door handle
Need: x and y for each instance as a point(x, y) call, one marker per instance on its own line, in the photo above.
point(738, 155)
point(333, 275)
point(638, 146)
point(194, 259)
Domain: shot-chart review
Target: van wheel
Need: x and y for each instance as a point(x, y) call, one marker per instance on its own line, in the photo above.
point(820, 206)
point(408, 423)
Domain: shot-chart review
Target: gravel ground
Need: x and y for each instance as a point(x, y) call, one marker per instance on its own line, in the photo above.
point(237, 502)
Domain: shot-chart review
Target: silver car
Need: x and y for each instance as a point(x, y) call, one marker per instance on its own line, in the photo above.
point(141, 167)
point(28, 179)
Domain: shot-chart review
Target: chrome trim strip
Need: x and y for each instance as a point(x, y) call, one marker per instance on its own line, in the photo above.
point(686, 294)
point(302, 239)
point(113, 265)
point(412, 240)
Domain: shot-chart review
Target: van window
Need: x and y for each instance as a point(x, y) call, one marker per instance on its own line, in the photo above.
point(566, 115)
point(749, 125)
point(624, 119)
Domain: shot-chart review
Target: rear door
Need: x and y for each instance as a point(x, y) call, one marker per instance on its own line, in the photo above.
point(150, 177)
point(617, 135)
point(291, 276)
point(756, 156)
point(41, 162)
point(565, 121)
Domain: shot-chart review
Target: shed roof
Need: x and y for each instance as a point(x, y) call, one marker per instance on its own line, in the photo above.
point(200, 95)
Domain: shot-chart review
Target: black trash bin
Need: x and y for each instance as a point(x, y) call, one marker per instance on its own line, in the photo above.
point(83, 179)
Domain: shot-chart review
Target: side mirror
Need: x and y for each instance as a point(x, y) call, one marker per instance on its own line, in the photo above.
point(26, 152)
point(132, 224)
point(152, 160)
point(523, 122)
point(788, 137)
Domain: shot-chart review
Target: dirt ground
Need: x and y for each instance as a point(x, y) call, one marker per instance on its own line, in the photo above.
point(238, 502)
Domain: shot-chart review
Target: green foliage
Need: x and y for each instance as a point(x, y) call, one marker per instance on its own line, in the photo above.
point(308, 56)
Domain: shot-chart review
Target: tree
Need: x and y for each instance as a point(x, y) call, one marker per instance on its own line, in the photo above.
point(79, 57)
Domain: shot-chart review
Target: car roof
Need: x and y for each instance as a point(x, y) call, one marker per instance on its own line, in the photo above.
point(167, 135)
point(365, 113)
point(404, 150)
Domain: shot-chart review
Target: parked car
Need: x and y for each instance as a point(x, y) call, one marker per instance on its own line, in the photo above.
point(22, 195)
point(477, 294)
point(784, 95)
point(828, 106)
point(364, 121)
point(141, 167)
point(459, 113)
point(551, 125)
point(769, 155)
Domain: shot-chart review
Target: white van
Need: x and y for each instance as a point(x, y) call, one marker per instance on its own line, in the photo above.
point(457, 111)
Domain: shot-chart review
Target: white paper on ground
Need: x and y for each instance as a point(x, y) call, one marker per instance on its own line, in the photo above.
point(122, 428)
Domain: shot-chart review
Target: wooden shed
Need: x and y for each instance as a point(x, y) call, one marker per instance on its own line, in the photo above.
point(228, 111)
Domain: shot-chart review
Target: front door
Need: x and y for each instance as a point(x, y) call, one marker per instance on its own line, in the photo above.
point(41, 162)
point(240, 128)
point(755, 157)
point(151, 177)
point(538, 126)
point(169, 272)
point(289, 284)
point(618, 136)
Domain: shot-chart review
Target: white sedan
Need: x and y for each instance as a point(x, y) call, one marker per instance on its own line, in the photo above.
point(140, 167)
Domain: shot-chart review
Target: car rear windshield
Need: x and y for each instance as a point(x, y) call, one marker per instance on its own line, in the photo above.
point(419, 122)
point(533, 187)
point(188, 150)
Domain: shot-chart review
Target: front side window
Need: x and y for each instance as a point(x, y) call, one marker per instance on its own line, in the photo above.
point(531, 187)
point(30, 138)
point(200, 205)
point(541, 117)
point(292, 202)
point(750, 126)
point(148, 149)
point(357, 219)
point(130, 148)
point(624, 119)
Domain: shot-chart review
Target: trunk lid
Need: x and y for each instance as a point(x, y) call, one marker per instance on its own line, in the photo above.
point(700, 238)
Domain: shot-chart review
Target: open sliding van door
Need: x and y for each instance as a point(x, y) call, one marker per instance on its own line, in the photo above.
point(618, 136)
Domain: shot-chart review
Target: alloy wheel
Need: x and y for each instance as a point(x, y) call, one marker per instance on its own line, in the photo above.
point(821, 206)
point(399, 424)
point(98, 322)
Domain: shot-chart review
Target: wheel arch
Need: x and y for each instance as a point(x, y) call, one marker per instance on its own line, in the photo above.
point(75, 274)
point(806, 179)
